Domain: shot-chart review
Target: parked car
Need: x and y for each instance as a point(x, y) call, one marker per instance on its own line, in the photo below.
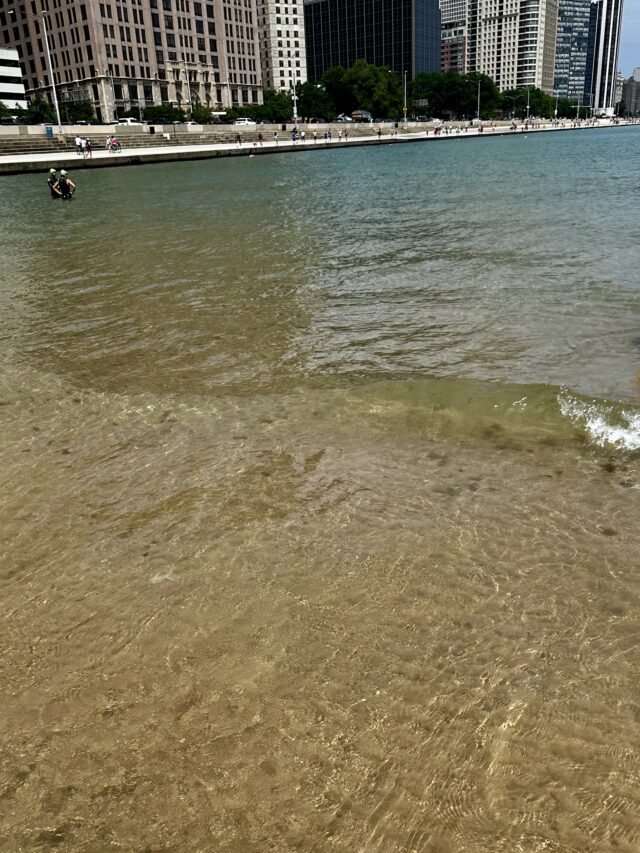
point(423, 118)
point(316, 120)
point(342, 119)
point(159, 121)
point(214, 120)
point(362, 116)
point(128, 121)
point(244, 121)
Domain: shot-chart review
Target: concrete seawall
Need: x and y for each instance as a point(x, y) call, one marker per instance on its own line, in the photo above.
point(12, 164)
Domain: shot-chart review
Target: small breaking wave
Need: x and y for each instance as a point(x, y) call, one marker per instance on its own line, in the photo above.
point(606, 424)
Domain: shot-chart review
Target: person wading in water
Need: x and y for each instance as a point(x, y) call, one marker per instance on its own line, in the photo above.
point(65, 185)
point(52, 182)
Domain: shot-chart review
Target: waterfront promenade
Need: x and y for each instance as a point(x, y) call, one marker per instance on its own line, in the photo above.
point(17, 163)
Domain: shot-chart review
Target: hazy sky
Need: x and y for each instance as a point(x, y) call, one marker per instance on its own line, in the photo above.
point(630, 40)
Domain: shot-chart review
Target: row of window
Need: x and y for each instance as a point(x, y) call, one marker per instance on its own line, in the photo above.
point(127, 53)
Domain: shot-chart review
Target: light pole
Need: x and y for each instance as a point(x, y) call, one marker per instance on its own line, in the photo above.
point(555, 112)
point(294, 98)
point(528, 93)
point(54, 94)
point(405, 97)
point(478, 99)
point(186, 75)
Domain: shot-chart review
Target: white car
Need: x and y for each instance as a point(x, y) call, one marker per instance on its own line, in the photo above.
point(245, 121)
point(128, 121)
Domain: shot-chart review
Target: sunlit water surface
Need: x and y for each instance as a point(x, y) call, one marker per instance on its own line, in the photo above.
point(320, 502)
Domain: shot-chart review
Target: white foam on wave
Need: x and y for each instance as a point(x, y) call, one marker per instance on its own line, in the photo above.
point(606, 425)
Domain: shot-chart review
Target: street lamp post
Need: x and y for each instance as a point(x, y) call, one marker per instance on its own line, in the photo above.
point(54, 94)
point(405, 97)
point(528, 93)
point(478, 100)
point(294, 98)
point(555, 112)
point(186, 76)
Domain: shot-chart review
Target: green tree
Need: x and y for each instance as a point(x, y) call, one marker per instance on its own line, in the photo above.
point(374, 88)
point(4, 111)
point(73, 111)
point(200, 114)
point(337, 89)
point(314, 102)
point(453, 95)
point(514, 102)
point(165, 111)
point(277, 106)
point(39, 111)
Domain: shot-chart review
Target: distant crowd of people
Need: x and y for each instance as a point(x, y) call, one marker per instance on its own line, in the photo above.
point(83, 146)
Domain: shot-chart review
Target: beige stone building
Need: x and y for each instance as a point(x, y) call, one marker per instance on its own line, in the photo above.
point(513, 41)
point(124, 55)
point(282, 43)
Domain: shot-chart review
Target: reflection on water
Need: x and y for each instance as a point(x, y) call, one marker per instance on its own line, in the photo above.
point(304, 546)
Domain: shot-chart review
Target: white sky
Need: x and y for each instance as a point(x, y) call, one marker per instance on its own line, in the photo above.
point(630, 39)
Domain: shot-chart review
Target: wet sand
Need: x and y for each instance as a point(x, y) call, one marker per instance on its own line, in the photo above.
point(316, 642)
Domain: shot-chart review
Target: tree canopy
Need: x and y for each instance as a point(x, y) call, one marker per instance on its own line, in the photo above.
point(375, 88)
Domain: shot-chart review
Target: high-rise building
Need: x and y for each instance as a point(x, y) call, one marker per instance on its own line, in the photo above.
point(602, 55)
point(631, 94)
point(513, 41)
point(124, 55)
point(283, 55)
point(403, 34)
point(11, 86)
point(453, 14)
point(571, 49)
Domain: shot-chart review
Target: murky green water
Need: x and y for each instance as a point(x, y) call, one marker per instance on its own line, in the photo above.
point(320, 502)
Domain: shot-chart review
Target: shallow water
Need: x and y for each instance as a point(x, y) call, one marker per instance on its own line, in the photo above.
point(320, 502)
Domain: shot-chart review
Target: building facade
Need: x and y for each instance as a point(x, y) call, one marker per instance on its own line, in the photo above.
point(571, 49)
point(403, 34)
point(124, 55)
point(453, 44)
point(513, 42)
point(600, 87)
point(631, 94)
point(283, 56)
point(11, 86)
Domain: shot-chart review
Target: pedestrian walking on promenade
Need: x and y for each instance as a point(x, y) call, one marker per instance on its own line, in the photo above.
point(275, 136)
point(78, 141)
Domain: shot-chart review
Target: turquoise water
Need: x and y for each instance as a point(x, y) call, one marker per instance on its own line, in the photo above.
point(320, 501)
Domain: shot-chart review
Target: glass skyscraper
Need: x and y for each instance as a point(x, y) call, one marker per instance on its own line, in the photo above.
point(571, 48)
point(603, 51)
point(403, 34)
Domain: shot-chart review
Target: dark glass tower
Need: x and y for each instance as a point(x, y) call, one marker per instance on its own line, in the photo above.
point(571, 48)
point(403, 34)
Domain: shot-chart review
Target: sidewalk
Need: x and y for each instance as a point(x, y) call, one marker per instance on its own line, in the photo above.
point(18, 164)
